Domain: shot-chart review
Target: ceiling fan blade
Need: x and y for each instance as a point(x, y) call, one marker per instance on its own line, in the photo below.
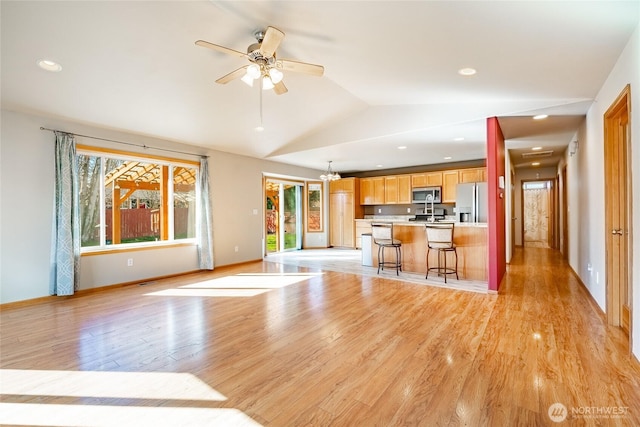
point(271, 41)
point(221, 48)
point(279, 88)
point(300, 67)
point(232, 75)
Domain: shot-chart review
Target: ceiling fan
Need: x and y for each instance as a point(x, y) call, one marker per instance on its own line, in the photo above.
point(263, 62)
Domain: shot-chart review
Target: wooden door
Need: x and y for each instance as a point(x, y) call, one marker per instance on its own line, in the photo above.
point(565, 215)
point(617, 211)
point(514, 219)
point(536, 212)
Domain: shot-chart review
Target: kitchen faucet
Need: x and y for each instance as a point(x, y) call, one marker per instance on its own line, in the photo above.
point(429, 199)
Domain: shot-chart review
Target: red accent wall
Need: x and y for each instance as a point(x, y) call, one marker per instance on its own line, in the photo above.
point(496, 226)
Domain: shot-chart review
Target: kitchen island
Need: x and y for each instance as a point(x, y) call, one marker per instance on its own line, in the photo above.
point(470, 240)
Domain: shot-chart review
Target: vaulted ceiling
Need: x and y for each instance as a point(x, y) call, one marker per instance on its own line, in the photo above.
point(391, 73)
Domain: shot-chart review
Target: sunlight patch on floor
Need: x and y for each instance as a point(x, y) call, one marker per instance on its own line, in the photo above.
point(239, 285)
point(140, 416)
point(134, 385)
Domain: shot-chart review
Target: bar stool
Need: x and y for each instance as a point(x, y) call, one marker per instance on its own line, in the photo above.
point(440, 238)
point(382, 233)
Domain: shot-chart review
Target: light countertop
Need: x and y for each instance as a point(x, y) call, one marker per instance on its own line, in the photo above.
point(405, 221)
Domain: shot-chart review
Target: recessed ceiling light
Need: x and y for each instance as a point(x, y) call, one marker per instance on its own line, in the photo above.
point(48, 65)
point(378, 166)
point(535, 164)
point(259, 128)
point(536, 148)
point(448, 158)
point(402, 147)
point(540, 117)
point(460, 138)
point(467, 71)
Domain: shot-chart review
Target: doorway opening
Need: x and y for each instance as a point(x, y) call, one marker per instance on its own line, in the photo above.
point(283, 215)
point(538, 214)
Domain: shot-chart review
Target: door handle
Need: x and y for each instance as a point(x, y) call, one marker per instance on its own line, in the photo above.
point(618, 231)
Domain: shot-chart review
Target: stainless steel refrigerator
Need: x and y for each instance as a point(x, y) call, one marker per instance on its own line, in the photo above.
point(472, 202)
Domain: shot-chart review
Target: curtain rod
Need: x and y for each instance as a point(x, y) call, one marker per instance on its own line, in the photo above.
point(125, 143)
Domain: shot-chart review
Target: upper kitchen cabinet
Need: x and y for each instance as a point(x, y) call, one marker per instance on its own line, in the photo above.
point(372, 191)
point(449, 184)
point(472, 175)
point(397, 189)
point(426, 179)
point(342, 185)
point(344, 195)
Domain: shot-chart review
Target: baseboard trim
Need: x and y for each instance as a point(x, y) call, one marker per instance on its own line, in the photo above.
point(81, 292)
point(592, 300)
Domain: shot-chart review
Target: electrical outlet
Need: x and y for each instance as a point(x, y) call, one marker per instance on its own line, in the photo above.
point(236, 249)
point(408, 210)
point(130, 262)
point(380, 210)
point(255, 211)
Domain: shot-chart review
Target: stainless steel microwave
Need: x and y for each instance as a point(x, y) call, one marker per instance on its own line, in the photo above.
point(420, 194)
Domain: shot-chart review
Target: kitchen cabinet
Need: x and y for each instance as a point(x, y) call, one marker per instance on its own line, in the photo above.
point(372, 191)
point(362, 227)
point(404, 189)
point(397, 189)
point(472, 175)
point(390, 190)
point(342, 185)
point(426, 179)
point(344, 208)
point(449, 184)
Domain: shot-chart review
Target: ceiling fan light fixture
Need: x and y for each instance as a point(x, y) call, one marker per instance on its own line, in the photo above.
point(247, 79)
point(267, 83)
point(276, 75)
point(253, 71)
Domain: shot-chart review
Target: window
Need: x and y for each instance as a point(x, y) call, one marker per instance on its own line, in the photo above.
point(314, 206)
point(126, 199)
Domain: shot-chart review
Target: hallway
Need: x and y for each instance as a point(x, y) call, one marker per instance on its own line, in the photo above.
point(273, 344)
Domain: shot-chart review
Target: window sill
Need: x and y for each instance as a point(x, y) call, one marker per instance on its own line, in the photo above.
point(134, 247)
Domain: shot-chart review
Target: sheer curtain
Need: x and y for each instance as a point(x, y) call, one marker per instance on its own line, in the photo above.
point(65, 244)
point(205, 229)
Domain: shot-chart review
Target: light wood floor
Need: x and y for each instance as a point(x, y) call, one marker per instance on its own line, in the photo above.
point(279, 345)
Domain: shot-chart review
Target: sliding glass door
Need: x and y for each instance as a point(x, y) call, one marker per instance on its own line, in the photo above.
point(283, 215)
point(291, 218)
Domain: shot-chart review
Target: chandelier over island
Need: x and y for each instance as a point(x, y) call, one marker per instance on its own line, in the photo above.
point(330, 175)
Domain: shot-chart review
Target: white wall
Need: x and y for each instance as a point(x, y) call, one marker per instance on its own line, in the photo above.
point(27, 171)
point(585, 176)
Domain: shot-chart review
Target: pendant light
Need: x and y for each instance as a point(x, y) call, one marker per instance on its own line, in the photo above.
point(330, 175)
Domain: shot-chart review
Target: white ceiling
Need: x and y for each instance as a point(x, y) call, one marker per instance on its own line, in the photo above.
point(390, 73)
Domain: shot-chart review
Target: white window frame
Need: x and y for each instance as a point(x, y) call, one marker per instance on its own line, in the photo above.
point(130, 156)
